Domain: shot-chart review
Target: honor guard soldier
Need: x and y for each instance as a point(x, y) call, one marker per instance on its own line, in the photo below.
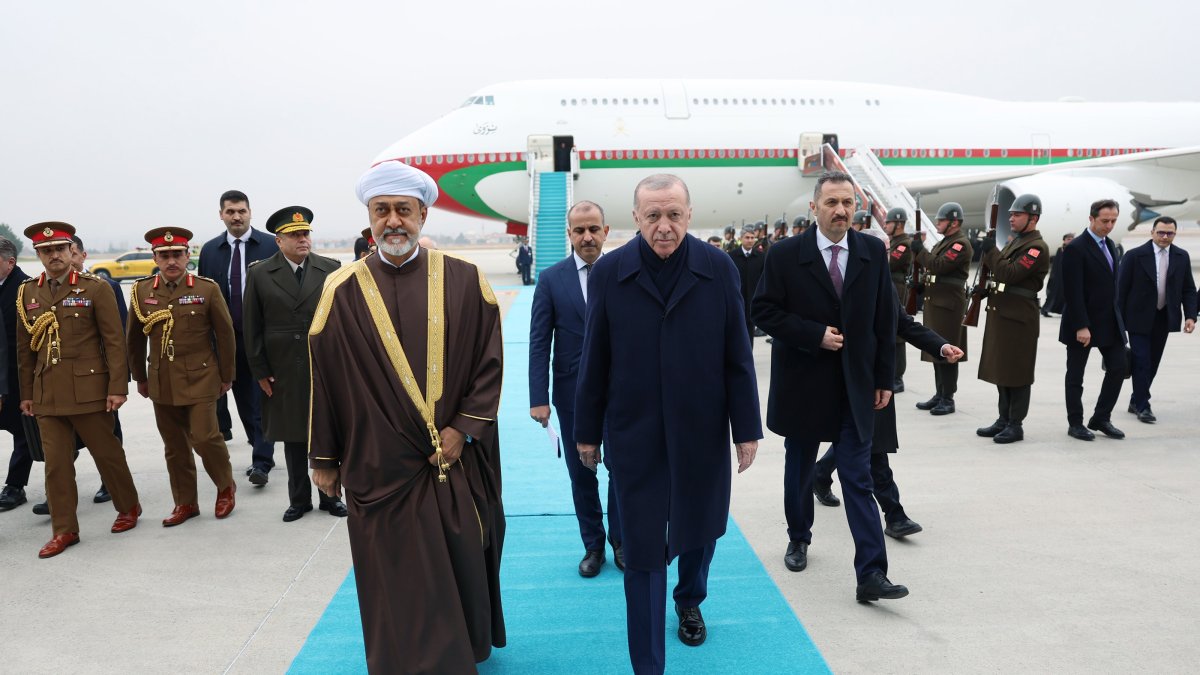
point(861, 221)
point(900, 257)
point(944, 274)
point(371, 246)
point(74, 374)
point(282, 293)
point(191, 364)
point(1011, 333)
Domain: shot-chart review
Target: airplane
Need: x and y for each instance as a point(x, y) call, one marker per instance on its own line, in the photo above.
point(740, 146)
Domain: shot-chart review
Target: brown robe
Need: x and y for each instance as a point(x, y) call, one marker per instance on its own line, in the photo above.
point(426, 554)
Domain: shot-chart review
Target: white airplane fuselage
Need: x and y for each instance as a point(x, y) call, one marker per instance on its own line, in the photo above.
point(736, 143)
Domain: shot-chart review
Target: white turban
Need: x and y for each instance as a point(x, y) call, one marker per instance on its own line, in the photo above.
point(396, 179)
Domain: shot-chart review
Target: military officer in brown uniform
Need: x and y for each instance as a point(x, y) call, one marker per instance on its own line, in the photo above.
point(282, 293)
point(1011, 332)
point(944, 274)
point(900, 257)
point(191, 364)
point(73, 374)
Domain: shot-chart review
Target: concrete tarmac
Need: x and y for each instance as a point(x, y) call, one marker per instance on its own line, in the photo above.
point(1049, 555)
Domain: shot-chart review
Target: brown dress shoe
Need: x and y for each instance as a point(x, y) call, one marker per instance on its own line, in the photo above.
point(180, 514)
point(127, 521)
point(58, 544)
point(225, 501)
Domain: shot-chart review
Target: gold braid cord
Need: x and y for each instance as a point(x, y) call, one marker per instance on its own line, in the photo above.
point(426, 404)
point(42, 327)
point(148, 322)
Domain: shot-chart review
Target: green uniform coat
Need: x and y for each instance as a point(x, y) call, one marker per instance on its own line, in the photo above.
point(1010, 333)
point(946, 298)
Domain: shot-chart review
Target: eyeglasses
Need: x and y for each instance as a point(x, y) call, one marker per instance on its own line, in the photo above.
point(1163, 233)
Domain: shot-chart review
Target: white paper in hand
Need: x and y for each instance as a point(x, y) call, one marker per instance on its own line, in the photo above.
point(553, 434)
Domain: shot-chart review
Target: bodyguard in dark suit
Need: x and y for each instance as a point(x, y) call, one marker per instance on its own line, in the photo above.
point(559, 306)
point(281, 297)
point(1090, 319)
point(20, 463)
point(525, 262)
point(667, 367)
point(224, 259)
point(827, 299)
point(1155, 290)
point(749, 262)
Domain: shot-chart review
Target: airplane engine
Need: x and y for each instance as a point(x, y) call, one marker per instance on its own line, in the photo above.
point(1066, 201)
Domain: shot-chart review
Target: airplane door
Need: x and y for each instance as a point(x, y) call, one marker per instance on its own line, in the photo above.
point(675, 104)
point(1040, 146)
point(540, 157)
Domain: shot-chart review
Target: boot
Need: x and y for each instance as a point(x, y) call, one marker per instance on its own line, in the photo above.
point(990, 432)
point(1011, 434)
point(931, 403)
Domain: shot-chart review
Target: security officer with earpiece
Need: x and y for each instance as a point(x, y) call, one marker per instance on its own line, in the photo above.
point(945, 269)
point(900, 255)
point(1011, 333)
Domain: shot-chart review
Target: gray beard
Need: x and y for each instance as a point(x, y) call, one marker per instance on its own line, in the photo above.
point(395, 251)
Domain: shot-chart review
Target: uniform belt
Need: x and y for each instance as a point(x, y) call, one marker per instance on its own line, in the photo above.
point(944, 281)
point(999, 287)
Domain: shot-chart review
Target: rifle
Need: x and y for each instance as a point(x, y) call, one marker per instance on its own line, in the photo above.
point(915, 287)
point(982, 275)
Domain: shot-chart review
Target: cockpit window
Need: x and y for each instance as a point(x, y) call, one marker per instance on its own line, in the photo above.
point(479, 100)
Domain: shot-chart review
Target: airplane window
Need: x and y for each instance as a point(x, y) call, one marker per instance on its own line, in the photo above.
point(821, 101)
point(725, 101)
point(1004, 152)
point(812, 101)
point(774, 102)
point(470, 159)
point(868, 101)
point(564, 101)
point(416, 161)
point(705, 101)
point(583, 101)
point(460, 159)
point(695, 101)
point(491, 100)
point(794, 101)
point(987, 152)
point(624, 101)
point(754, 101)
point(573, 102)
point(967, 152)
point(876, 101)
point(655, 101)
point(743, 102)
point(437, 159)
point(593, 101)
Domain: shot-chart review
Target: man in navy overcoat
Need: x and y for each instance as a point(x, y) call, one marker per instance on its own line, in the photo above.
point(828, 300)
point(667, 367)
point(559, 305)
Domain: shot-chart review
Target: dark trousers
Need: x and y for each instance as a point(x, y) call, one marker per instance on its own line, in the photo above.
point(853, 461)
point(526, 273)
point(887, 493)
point(1147, 354)
point(21, 462)
point(945, 378)
point(246, 394)
point(1110, 388)
point(645, 595)
point(1013, 403)
point(295, 454)
point(585, 491)
point(901, 360)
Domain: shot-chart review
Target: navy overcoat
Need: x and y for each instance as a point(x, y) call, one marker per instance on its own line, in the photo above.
point(672, 379)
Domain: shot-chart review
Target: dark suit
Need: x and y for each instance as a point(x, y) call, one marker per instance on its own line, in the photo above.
point(886, 440)
point(558, 316)
point(525, 263)
point(1148, 326)
point(277, 313)
point(822, 395)
point(214, 264)
point(670, 378)
point(20, 463)
point(750, 269)
point(1089, 286)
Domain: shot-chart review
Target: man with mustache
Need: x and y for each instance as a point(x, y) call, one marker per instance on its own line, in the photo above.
point(661, 311)
point(224, 259)
point(559, 305)
point(281, 297)
point(406, 372)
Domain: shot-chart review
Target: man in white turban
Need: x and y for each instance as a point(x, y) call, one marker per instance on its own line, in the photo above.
point(406, 370)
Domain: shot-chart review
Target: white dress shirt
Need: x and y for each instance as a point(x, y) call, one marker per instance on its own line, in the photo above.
point(824, 244)
point(229, 272)
point(581, 270)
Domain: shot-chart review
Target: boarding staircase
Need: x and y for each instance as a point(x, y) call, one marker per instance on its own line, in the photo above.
point(550, 197)
point(872, 182)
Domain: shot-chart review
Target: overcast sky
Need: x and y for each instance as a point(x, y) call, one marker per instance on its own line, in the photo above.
point(122, 116)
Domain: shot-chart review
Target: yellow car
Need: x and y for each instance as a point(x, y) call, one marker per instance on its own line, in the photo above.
point(130, 266)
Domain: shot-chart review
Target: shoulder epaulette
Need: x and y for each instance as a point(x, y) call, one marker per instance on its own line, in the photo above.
point(89, 275)
point(255, 262)
point(29, 280)
point(197, 276)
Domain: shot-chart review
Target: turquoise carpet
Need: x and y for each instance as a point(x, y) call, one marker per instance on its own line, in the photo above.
point(558, 622)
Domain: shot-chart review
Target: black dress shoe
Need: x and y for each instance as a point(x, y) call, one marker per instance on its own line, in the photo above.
point(944, 407)
point(990, 432)
point(11, 497)
point(296, 512)
point(1131, 409)
point(335, 508)
point(931, 403)
point(619, 556)
point(1146, 416)
point(902, 528)
point(258, 477)
point(796, 557)
point(1012, 434)
point(42, 509)
point(825, 496)
point(249, 470)
point(102, 495)
point(227, 434)
point(1079, 431)
point(591, 563)
point(1105, 427)
point(877, 587)
point(691, 626)
point(898, 387)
